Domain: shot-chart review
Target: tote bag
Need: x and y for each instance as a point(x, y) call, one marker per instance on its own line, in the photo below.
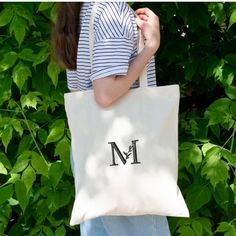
point(126, 155)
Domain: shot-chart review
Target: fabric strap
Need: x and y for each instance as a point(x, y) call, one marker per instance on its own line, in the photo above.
point(143, 82)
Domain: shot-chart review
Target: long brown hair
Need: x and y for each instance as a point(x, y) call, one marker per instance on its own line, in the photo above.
point(65, 34)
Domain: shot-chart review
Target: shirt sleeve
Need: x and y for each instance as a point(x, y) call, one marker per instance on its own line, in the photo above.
point(114, 41)
point(72, 82)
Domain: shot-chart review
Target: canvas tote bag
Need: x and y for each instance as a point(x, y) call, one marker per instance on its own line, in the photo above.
point(125, 156)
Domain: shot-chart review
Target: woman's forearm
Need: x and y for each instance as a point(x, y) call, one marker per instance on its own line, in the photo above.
point(111, 88)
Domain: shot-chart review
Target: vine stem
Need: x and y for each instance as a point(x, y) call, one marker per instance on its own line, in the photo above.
point(31, 132)
point(230, 137)
point(7, 110)
point(232, 141)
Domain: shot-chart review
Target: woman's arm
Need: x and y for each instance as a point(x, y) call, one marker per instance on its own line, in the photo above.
point(107, 90)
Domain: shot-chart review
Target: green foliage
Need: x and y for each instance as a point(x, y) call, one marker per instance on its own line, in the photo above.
point(197, 51)
point(36, 185)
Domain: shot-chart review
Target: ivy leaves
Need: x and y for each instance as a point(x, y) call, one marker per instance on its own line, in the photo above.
point(34, 140)
point(20, 64)
point(198, 51)
point(18, 17)
point(214, 168)
point(6, 16)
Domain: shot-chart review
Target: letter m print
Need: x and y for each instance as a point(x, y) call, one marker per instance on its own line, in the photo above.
point(132, 151)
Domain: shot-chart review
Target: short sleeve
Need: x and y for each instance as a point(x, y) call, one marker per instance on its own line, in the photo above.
point(72, 82)
point(114, 41)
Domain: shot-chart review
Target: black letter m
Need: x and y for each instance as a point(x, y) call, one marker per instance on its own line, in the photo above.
point(132, 150)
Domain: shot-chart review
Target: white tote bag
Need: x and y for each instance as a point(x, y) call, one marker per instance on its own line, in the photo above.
point(125, 156)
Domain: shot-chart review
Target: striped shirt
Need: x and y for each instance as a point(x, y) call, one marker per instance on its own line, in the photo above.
point(116, 36)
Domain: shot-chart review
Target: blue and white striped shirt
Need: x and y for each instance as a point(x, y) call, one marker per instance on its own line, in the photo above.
point(115, 45)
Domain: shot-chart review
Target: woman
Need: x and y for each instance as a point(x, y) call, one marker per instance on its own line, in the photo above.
point(115, 69)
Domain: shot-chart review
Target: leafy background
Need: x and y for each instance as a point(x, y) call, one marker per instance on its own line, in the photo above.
point(198, 51)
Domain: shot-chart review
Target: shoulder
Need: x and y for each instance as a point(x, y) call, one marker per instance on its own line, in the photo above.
point(113, 7)
point(115, 19)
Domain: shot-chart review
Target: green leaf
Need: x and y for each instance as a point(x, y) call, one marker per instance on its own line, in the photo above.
point(20, 74)
point(22, 162)
point(185, 230)
point(39, 164)
point(190, 153)
point(55, 222)
point(212, 150)
point(221, 195)
point(35, 230)
point(218, 70)
point(24, 13)
point(230, 157)
point(221, 104)
point(41, 56)
point(42, 210)
point(21, 194)
point(228, 76)
point(6, 136)
point(18, 26)
point(28, 177)
point(190, 69)
point(30, 100)
point(4, 160)
point(218, 112)
point(232, 19)
point(6, 193)
point(33, 126)
point(213, 64)
point(45, 5)
point(215, 169)
point(42, 134)
point(217, 11)
point(56, 131)
point(8, 61)
point(58, 199)
point(61, 231)
point(55, 173)
point(25, 144)
point(27, 54)
point(206, 224)
point(53, 12)
point(233, 109)
point(197, 227)
point(231, 92)
point(63, 151)
point(13, 202)
point(232, 231)
point(45, 83)
point(5, 88)
point(224, 227)
point(16, 124)
point(231, 59)
point(197, 196)
point(48, 231)
point(53, 72)
point(12, 179)
point(6, 16)
point(3, 170)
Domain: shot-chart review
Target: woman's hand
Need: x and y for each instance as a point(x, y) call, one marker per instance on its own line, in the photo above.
point(148, 22)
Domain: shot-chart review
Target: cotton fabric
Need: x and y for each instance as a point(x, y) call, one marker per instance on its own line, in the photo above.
point(115, 46)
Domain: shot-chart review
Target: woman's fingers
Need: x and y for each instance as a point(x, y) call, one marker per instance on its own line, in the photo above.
point(143, 17)
point(148, 22)
point(140, 23)
point(142, 11)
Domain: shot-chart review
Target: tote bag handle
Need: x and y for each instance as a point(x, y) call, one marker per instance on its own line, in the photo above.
point(143, 82)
